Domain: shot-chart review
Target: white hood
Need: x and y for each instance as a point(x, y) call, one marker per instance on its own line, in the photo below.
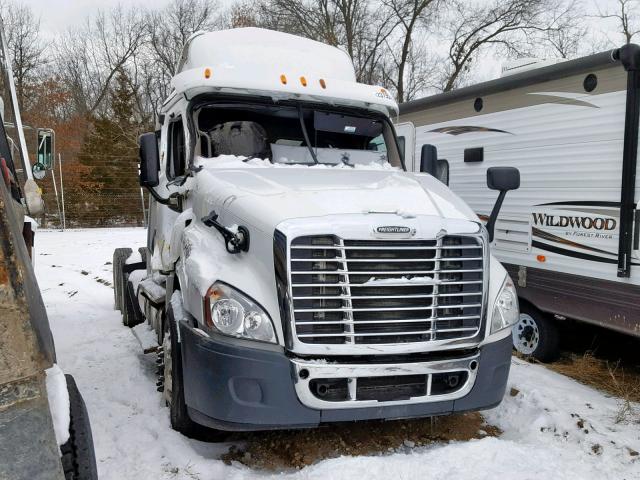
point(265, 196)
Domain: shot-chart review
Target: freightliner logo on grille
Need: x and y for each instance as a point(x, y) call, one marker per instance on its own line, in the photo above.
point(394, 229)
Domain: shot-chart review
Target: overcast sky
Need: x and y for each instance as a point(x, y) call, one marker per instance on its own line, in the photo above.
point(57, 15)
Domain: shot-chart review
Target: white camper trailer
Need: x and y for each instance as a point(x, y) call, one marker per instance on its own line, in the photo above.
point(569, 235)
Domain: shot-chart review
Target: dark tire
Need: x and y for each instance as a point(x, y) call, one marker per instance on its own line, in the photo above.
point(143, 254)
point(120, 256)
point(174, 388)
point(536, 335)
point(78, 455)
point(131, 314)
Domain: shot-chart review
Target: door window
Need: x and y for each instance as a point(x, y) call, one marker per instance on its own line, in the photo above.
point(176, 149)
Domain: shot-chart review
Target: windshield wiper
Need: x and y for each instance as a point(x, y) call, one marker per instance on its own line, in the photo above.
point(306, 135)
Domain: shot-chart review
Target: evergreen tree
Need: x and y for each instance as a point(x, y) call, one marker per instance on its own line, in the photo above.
point(110, 149)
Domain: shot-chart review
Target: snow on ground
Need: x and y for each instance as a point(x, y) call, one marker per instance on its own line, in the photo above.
point(553, 427)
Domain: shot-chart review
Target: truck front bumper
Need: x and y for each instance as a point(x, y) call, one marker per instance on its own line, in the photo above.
point(229, 386)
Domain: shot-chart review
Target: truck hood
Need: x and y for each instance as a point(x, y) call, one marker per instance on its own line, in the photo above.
point(265, 196)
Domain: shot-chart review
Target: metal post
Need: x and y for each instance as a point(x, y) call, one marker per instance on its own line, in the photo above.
point(55, 190)
point(64, 219)
point(144, 211)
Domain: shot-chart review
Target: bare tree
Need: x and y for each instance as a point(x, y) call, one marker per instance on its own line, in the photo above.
point(170, 28)
point(627, 17)
point(472, 28)
point(407, 63)
point(22, 31)
point(89, 57)
point(358, 26)
point(564, 31)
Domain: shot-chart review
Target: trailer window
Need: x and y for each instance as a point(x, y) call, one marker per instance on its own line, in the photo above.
point(401, 145)
point(176, 149)
point(443, 171)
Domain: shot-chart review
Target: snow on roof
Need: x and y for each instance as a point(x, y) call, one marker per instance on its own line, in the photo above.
point(258, 48)
point(259, 61)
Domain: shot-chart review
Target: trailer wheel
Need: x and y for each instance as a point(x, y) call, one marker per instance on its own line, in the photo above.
point(536, 335)
point(120, 256)
point(78, 455)
point(174, 388)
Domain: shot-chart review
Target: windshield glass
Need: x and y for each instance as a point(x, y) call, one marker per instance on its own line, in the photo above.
point(295, 136)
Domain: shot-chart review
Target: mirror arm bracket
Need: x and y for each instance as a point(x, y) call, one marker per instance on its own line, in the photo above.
point(491, 223)
point(235, 242)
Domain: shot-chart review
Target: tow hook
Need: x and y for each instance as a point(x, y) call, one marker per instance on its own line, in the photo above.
point(235, 242)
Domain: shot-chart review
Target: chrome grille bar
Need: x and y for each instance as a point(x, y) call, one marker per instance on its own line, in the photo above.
point(332, 304)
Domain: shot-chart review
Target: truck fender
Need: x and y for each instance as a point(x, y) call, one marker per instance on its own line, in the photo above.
point(173, 252)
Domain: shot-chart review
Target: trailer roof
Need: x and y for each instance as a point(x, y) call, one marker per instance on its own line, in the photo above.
point(518, 80)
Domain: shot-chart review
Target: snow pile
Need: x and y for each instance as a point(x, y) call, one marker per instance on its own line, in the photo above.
point(146, 336)
point(59, 405)
point(232, 161)
point(544, 416)
point(422, 280)
point(151, 286)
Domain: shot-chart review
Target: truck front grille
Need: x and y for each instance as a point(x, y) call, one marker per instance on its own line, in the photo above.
point(385, 291)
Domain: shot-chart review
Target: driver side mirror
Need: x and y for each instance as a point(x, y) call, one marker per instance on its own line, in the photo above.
point(429, 160)
point(502, 179)
point(149, 160)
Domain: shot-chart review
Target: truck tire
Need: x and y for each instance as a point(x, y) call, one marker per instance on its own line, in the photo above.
point(131, 314)
point(120, 256)
point(174, 388)
point(143, 254)
point(536, 335)
point(78, 455)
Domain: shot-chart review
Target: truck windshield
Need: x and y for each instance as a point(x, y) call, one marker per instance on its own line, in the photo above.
point(295, 136)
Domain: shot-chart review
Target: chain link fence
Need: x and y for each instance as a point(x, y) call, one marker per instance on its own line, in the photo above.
point(75, 198)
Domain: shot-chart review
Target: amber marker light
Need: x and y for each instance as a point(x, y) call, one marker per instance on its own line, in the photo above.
point(283, 79)
point(207, 73)
point(323, 84)
point(303, 81)
point(541, 258)
point(213, 295)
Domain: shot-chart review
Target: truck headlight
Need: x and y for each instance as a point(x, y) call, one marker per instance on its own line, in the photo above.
point(505, 309)
point(229, 312)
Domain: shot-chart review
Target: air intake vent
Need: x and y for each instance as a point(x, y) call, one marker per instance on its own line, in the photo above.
point(385, 291)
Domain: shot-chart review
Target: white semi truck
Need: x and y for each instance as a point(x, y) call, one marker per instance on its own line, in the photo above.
point(295, 273)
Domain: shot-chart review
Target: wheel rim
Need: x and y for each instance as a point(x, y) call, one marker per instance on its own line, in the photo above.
point(526, 335)
point(168, 367)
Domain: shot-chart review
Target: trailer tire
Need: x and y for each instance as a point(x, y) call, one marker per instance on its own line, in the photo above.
point(78, 454)
point(536, 335)
point(120, 256)
point(174, 392)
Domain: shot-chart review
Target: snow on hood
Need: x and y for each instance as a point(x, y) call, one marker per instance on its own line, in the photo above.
point(265, 194)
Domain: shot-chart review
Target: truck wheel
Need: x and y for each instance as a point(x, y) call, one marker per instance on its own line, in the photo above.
point(78, 456)
point(120, 256)
point(131, 314)
point(536, 335)
point(174, 388)
point(143, 254)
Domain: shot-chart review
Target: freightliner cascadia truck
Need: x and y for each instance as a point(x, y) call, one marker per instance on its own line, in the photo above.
point(295, 273)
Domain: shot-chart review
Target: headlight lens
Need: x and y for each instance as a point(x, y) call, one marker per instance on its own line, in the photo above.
point(231, 313)
point(505, 310)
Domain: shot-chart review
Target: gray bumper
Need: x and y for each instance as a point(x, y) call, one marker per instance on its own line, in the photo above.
point(232, 387)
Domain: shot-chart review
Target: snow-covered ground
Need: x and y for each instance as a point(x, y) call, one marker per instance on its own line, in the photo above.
point(554, 428)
